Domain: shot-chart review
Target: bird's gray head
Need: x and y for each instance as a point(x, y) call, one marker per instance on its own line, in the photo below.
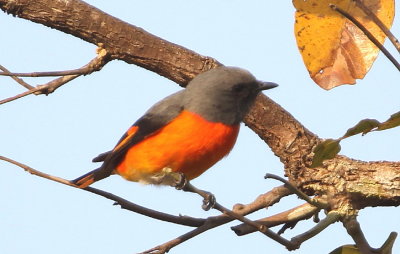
point(223, 94)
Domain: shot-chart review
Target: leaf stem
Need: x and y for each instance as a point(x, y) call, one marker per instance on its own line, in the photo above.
point(379, 23)
point(370, 36)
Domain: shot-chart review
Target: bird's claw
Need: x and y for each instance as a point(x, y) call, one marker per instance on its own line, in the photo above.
point(181, 181)
point(208, 201)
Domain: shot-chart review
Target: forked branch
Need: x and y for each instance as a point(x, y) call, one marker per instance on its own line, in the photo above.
point(95, 64)
point(354, 230)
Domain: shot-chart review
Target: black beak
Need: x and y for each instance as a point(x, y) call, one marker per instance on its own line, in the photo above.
point(266, 85)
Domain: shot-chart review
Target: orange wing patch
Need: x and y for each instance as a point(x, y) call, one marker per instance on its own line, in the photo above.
point(131, 132)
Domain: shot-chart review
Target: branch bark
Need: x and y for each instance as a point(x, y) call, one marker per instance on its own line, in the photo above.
point(350, 184)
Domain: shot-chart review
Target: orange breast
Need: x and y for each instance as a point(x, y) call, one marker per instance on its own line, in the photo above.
point(189, 144)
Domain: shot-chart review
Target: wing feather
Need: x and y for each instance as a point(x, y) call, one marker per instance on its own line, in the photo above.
point(154, 119)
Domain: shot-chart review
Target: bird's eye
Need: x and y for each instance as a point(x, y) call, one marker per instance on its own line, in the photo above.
point(239, 88)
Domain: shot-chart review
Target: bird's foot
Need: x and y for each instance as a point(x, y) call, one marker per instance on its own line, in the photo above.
point(182, 183)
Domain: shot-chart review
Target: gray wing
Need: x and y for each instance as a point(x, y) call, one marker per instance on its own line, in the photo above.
point(155, 118)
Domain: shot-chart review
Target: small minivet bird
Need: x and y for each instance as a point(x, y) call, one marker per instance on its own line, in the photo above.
point(186, 133)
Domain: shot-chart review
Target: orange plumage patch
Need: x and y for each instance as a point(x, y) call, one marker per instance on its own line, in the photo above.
point(189, 144)
point(129, 133)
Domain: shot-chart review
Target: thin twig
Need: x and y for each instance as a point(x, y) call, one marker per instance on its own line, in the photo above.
point(354, 230)
point(379, 23)
point(18, 96)
point(53, 85)
point(299, 193)
point(95, 64)
point(125, 204)
point(330, 218)
point(19, 81)
point(42, 89)
point(210, 202)
point(36, 172)
point(265, 200)
point(387, 246)
point(370, 36)
point(165, 247)
point(302, 212)
point(258, 226)
point(45, 73)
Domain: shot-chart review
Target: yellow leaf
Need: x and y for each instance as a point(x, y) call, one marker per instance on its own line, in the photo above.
point(346, 249)
point(334, 50)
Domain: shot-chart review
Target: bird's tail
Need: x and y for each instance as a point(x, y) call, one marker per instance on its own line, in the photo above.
point(87, 179)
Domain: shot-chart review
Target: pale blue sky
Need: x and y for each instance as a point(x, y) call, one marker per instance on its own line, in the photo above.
point(61, 133)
